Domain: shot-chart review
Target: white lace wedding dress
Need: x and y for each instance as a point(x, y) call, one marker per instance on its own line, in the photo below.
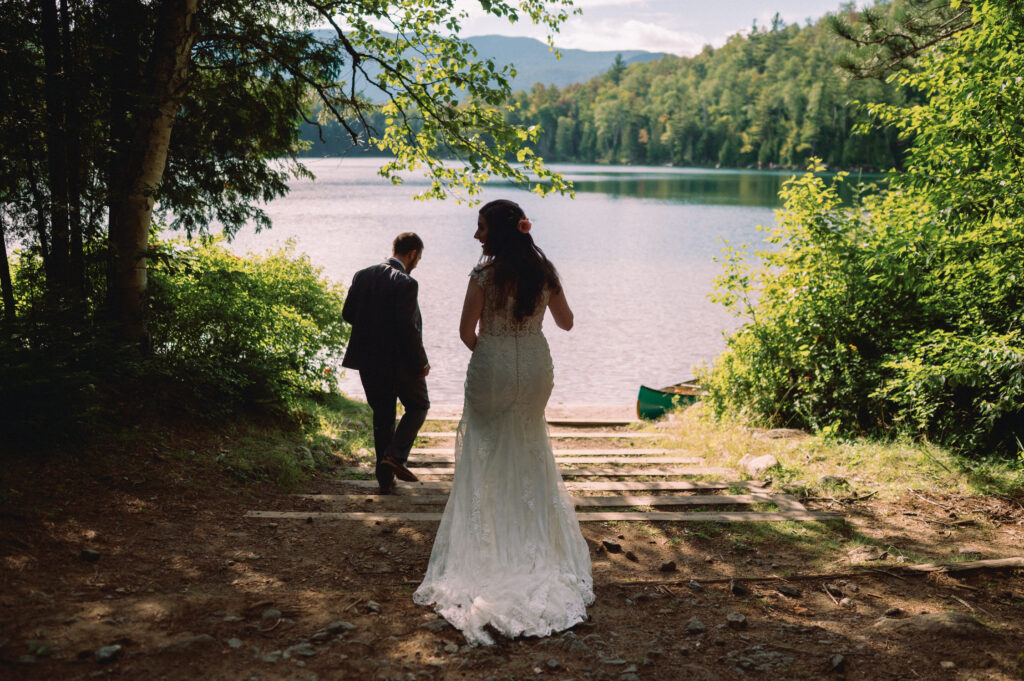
point(508, 554)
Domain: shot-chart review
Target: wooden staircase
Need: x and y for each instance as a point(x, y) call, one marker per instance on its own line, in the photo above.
point(595, 458)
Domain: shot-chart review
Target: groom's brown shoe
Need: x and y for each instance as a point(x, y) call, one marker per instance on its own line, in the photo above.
point(401, 472)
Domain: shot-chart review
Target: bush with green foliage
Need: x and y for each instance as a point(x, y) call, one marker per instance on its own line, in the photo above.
point(260, 330)
point(227, 333)
point(905, 310)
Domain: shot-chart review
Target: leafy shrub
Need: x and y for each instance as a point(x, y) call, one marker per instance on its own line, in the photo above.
point(904, 310)
point(241, 331)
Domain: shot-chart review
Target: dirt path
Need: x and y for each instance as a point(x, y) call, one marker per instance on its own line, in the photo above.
point(182, 586)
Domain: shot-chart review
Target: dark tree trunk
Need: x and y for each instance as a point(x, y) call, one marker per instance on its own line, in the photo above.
point(132, 212)
point(56, 151)
point(76, 265)
point(6, 288)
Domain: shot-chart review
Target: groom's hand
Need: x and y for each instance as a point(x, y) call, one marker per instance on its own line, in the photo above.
point(426, 370)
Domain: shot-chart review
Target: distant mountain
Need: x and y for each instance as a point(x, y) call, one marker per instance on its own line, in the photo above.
point(535, 63)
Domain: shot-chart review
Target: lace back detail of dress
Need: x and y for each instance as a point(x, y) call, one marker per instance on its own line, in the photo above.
point(498, 317)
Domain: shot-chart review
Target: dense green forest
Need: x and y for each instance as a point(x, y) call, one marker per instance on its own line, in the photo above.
point(773, 97)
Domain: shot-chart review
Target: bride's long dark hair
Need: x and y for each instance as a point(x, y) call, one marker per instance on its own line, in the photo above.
point(520, 267)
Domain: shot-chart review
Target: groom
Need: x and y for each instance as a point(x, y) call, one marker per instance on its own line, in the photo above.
point(386, 347)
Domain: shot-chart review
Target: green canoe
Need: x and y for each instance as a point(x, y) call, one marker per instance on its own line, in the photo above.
point(652, 403)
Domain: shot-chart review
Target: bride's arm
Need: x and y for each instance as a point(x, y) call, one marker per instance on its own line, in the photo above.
point(472, 308)
point(560, 310)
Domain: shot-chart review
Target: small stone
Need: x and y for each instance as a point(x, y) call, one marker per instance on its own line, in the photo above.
point(233, 618)
point(27, 659)
point(271, 657)
point(893, 612)
point(788, 591)
point(373, 606)
point(837, 663)
point(736, 620)
point(695, 626)
point(271, 614)
point(629, 676)
point(435, 625)
point(947, 664)
point(188, 642)
point(834, 590)
point(953, 624)
point(554, 664)
point(339, 627)
point(632, 556)
point(612, 546)
point(235, 643)
point(320, 636)
point(304, 649)
point(851, 587)
point(846, 602)
point(89, 555)
point(668, 566)
point(451, 648)
point(863, 554)
point(737, 589)
point(695, 585)
point(108, 653)
point(757, 466)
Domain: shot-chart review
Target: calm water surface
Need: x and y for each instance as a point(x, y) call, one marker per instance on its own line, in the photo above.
point(635, 251)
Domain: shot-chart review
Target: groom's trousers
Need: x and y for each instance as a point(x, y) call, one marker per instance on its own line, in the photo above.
point(383, 388)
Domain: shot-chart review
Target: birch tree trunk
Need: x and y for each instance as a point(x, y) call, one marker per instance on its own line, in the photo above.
point(132, 212)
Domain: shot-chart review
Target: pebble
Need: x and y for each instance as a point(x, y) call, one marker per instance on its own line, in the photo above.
point(789, 591)
point(629, 676)
point(554, 664)
point(271, 657)
point(435, 626)
point(893, 612)
point(668, 566)
point(304, 649)
point(187, 642)
point(235, 643)
point(737, 589)
point(612, 546)
point(451, 648)
point(339, 626)
point(695, 626)
point(632, 556)
point(837, 663)
point(108, 653)
point(233, 618)
point(27, 659)
point(736, 620)
point(947, 664)
point(373, 606)
point(271, 614)
point(89, 555)
point(846, 602)
point(695, 585)
point(851, 587)
point(320, 636)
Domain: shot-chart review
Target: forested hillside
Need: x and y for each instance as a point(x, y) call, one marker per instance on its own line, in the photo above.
point(772, 97)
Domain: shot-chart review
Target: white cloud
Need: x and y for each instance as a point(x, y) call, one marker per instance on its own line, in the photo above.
point(632, 35)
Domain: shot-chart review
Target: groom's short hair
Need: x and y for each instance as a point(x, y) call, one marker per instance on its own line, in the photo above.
point(406, 242)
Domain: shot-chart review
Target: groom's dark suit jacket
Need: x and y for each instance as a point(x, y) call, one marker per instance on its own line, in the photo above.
point(387, 330)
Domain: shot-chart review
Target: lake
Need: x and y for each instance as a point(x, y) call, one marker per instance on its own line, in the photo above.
point(635, 251)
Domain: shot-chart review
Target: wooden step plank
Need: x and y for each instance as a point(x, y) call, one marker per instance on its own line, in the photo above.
point(643, 516)
point(639, 460)
point(559, 421)
point(787, 502)
point(438, 451)
point(407, 488)
point(579, 501)
point(569, 436)
point(581, 472)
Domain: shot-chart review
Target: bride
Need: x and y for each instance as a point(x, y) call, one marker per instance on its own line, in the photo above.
point(509, 556)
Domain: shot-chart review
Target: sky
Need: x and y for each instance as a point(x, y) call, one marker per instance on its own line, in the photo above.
point(680, 27)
